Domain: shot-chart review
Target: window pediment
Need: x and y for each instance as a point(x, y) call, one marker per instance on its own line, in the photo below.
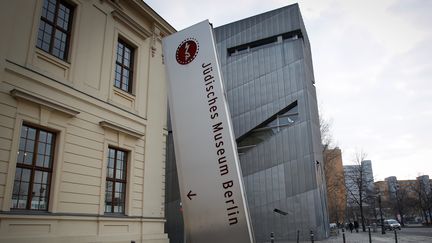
point(43, 101)
point(132, 24)
point(122, 129)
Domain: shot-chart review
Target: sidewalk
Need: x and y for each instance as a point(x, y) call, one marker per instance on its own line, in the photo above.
point(377, 237)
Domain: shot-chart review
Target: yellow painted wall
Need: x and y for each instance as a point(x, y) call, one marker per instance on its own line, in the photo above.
point(76, 98)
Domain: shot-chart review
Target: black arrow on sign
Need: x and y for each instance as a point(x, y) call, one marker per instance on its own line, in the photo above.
point(190, 195)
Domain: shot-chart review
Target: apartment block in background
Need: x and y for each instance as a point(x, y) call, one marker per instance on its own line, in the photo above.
point(358, 178)
point(335, 182)
point(83, 121)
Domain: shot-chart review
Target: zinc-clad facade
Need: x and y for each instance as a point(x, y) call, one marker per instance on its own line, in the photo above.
point(267, 66)
point(82, 121)
point(267, 69)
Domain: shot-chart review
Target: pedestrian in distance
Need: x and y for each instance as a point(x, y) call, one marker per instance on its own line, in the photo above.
point(350, 226)
point(356, 226)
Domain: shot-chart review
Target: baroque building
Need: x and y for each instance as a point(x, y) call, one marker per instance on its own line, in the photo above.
point(83, 121)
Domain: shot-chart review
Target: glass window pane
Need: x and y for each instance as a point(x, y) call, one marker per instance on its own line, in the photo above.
point(123, 68)
point(110, 162)
point(110, 173)
point(111, 153)
point(56, 52)
point(50, 138)
point(117, 79)
point(48, 149)
point(108, 196)
point(127, 53)
point(109, 188)
point(119, 57)
point(61, 17)
point(25, 176)
point(41, 148)
point(44, 190)
point(120, 52)
point(21, 202)
point(119, 174)
point(44, 35)
point(42, 136)
point(43, 203)
point(35, 202)
point(119, 155)
point(45, 8)
point(47, 162)
point(24, 130)
point(39, 41)
point(28, 158)
point(50, 10)
point(29, 146)
point(119, 165)
point(119, 187)
point(31, 133)
point(40, 159)
point(115, 168)
point(125, 87)
point(24, 189)
point(20, 158)
point(54, 14)
point(45, 46)
point(22, 144)
point(38, 177)
point(45, 176)
point(36, 190)
point(16, 187)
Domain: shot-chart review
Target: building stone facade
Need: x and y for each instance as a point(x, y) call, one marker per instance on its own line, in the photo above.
point(335, 182)
point(356, 176)
point(393, 186)
point(406, 200)
point(83, 121)
point(268, 77)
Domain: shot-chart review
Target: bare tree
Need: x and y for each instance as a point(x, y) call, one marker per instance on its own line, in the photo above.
point(424, 200)
point(333, 171)
point(359, 185)
point(326, 135)
point(401, 203)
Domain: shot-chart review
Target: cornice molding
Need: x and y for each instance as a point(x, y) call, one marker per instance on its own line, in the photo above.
point(132, 24)
point(122, 129)
point(34, 98)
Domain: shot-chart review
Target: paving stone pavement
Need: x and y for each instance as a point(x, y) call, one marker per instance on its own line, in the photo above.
point(363, 237)
point(377, 237)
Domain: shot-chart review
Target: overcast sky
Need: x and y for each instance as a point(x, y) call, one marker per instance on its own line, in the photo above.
point(373, 71)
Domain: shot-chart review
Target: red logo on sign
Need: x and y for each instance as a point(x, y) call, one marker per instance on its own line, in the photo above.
point(187, 51)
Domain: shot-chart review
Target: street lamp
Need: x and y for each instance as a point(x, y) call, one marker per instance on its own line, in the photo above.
point(382, 220)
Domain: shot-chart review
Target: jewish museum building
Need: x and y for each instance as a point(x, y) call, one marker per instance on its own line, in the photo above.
point(268, 77)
